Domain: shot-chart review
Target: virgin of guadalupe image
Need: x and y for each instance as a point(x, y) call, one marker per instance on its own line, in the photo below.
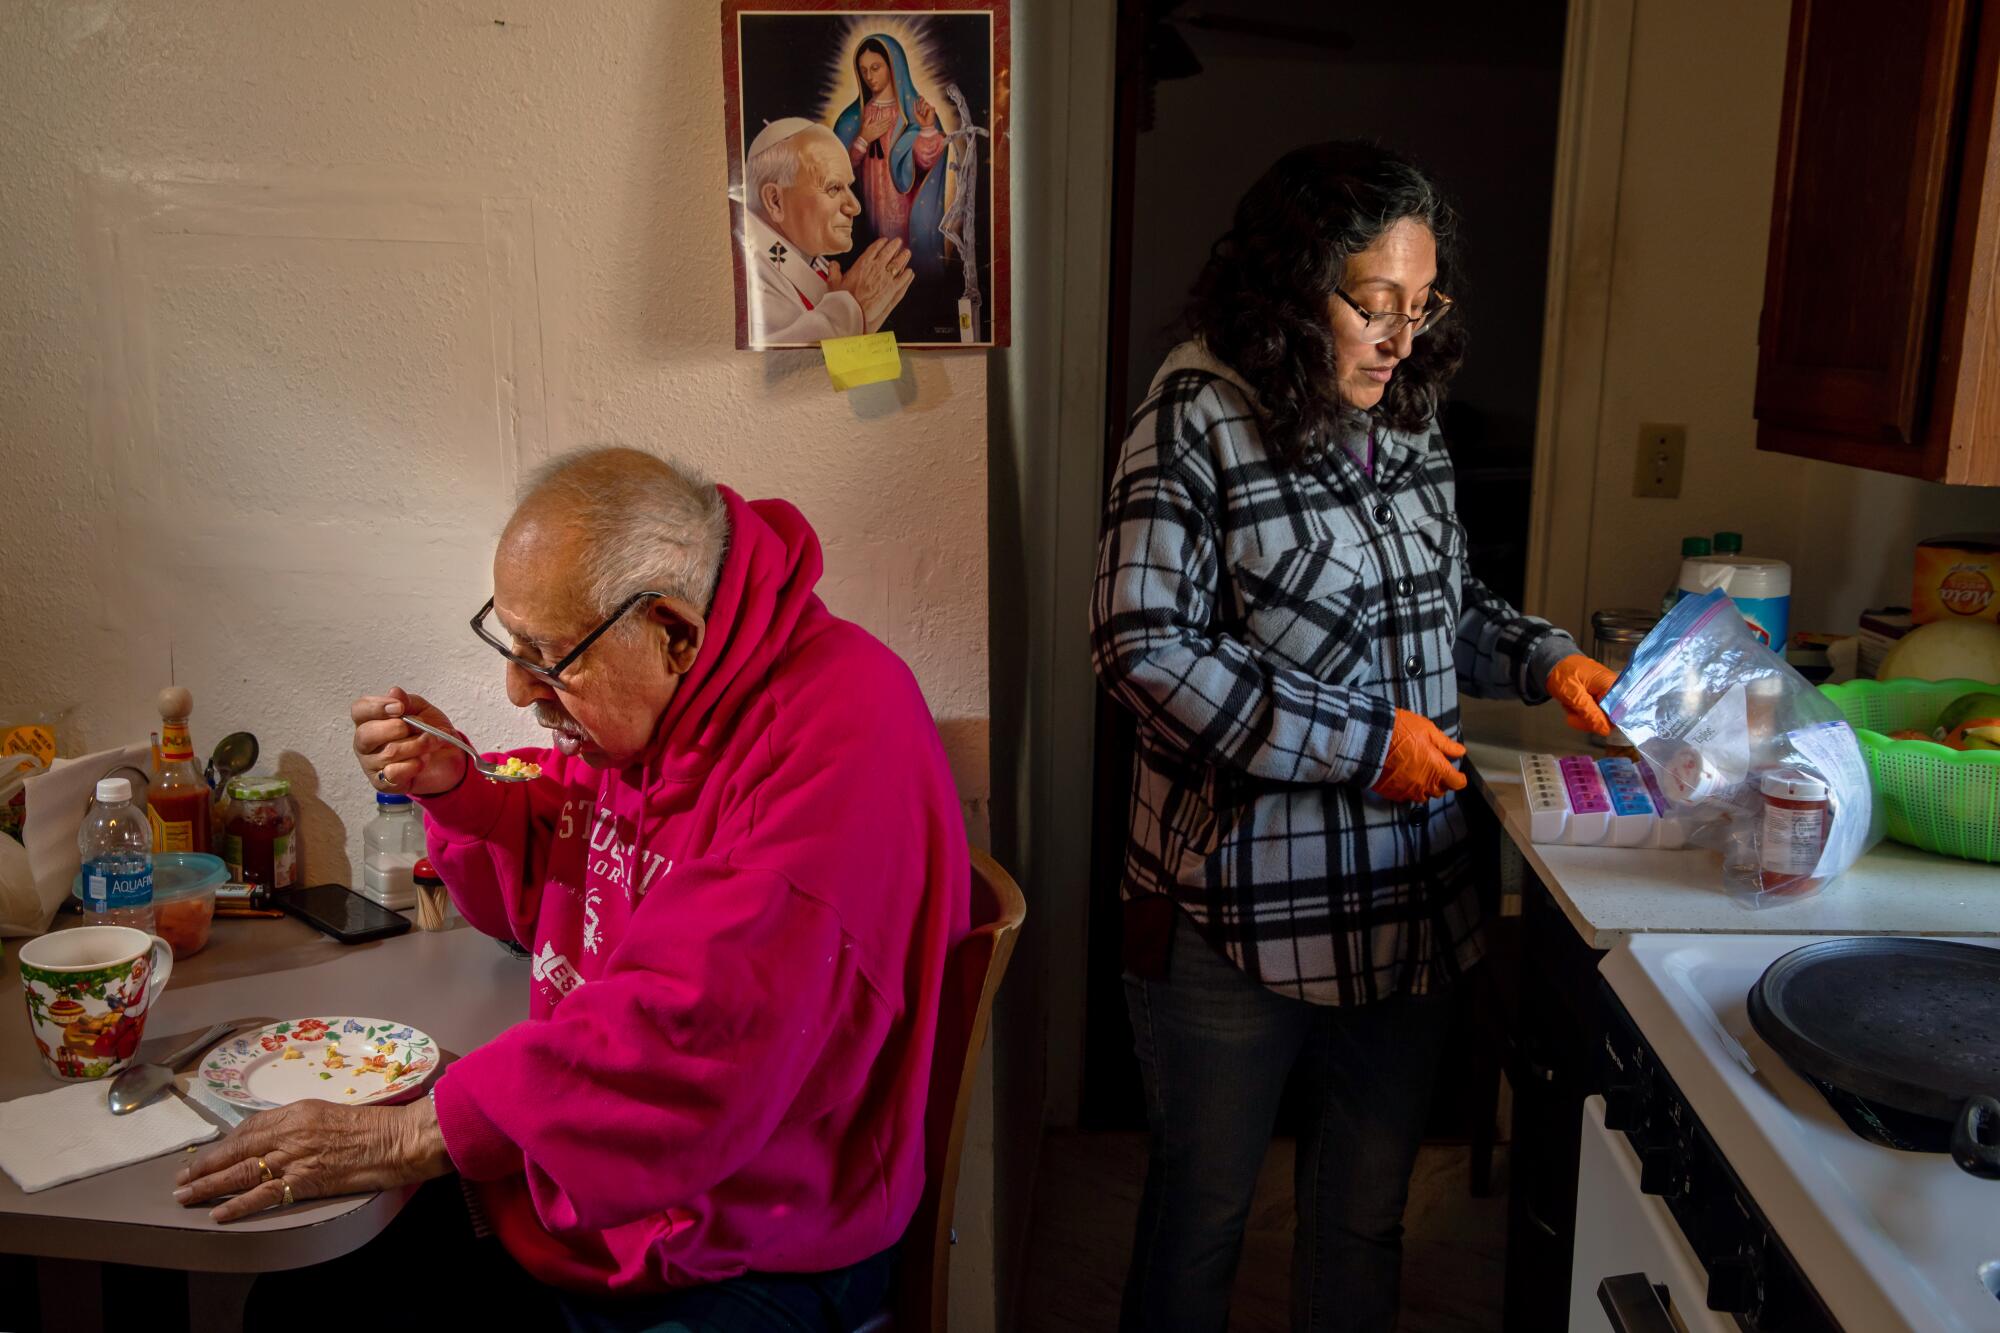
point(899, 155)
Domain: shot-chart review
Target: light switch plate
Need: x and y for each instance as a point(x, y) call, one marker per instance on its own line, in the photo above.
point(1656, 470)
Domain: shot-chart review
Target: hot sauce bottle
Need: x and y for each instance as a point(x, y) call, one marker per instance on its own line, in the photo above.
point(177, 801)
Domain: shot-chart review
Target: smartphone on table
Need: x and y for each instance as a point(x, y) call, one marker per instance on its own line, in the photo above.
point(342, 913)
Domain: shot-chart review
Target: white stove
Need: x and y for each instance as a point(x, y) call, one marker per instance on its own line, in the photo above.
point(1791, 1218)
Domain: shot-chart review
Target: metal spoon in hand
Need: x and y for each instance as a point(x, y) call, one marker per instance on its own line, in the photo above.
point(480, 766)
point(139, 1084)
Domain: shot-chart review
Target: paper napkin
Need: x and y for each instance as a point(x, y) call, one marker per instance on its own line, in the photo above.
point(55, 1137)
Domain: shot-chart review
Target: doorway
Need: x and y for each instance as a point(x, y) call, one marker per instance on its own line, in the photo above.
point(1209, 93)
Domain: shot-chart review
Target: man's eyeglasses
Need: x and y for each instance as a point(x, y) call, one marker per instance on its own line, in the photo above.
point(552, 675)
point(1380, 326)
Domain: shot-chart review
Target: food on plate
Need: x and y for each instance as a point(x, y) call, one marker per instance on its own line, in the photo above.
point(294, 1053)
point(517, 767)
point(1946, 650)
point(1972, 722)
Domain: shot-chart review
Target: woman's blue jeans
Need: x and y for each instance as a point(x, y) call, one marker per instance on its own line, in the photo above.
point(1215, 1050)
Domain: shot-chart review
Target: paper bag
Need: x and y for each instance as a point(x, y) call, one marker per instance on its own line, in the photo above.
point(35, 873)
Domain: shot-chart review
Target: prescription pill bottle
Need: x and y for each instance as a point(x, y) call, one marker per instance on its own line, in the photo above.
point(1797, 818)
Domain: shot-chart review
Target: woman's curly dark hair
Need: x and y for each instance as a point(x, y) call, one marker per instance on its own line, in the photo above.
point(1261, 301)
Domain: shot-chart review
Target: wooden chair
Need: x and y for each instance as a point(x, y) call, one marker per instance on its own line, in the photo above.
point(972, 977)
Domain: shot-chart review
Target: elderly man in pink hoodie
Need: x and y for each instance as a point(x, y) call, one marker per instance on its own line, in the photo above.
point(738, 877)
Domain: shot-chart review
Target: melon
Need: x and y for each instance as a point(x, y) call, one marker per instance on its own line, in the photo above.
point(1946, 650)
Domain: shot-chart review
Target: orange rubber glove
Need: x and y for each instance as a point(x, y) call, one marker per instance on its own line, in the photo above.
point(1418, 767)
point(1577, 683)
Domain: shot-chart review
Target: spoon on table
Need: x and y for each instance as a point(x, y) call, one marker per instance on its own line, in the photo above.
point(139, 1084)
point(494, 771)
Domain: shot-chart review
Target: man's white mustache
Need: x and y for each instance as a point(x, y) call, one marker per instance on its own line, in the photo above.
point(548, 716)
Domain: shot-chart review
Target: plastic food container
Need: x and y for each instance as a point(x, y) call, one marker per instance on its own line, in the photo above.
point(184, 885)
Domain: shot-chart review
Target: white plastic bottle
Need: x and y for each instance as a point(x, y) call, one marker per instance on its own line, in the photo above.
point(116, 846)
point(392, 844)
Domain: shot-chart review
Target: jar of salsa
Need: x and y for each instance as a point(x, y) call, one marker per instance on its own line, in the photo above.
point(260, 841)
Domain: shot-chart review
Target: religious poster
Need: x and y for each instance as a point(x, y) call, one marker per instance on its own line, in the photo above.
point(868, 170)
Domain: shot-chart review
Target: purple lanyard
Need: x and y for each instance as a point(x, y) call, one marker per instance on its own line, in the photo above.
point(1368, 465)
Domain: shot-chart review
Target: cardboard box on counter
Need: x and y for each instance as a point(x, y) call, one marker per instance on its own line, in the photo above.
point(1880, 629)
point(1957, 578)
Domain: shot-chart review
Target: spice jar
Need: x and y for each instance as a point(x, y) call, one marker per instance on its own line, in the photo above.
point(1615, 635)
point(1797, 818)
point(260, 841)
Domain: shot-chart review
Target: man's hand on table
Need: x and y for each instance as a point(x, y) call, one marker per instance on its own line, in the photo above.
point(319, 1150)
point(396, 757)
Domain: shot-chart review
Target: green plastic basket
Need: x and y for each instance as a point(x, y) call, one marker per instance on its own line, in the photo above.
point(1939, 799)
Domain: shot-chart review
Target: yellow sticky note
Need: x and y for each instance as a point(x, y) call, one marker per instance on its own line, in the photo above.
point(867, 358)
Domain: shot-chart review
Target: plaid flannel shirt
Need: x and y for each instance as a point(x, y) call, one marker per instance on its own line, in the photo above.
point(1265, 622)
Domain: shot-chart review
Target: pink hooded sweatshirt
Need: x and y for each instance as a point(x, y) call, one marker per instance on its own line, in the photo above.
point(738, 948)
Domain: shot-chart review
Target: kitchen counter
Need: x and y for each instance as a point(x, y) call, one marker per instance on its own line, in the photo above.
point(1608, 893)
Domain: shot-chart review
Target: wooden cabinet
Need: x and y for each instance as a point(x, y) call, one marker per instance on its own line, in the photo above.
point(1879, 345)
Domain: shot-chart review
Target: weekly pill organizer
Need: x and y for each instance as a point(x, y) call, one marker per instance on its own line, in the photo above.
point(1585, 802)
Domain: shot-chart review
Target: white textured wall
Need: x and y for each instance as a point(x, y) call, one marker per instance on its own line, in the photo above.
point(291, 292)
point(1694, 216)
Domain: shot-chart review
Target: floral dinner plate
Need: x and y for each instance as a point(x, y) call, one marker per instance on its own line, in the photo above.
point(353, 1061)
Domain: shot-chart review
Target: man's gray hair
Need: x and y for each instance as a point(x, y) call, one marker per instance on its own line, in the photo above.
point(779, 164)
point(646, 524)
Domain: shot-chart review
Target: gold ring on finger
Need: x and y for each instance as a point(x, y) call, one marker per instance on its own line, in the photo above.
point(263, 1170)
point(288, 1192)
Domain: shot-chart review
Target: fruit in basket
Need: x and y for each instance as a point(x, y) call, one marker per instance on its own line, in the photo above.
point(1945, 650)
point(1972, 722)
point(1911, 736)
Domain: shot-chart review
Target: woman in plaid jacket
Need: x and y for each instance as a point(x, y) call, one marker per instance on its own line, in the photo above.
point(1282, 598)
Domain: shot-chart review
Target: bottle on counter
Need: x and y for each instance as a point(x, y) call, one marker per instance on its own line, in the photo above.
point(1759, 587)
point(116, 847)
point(1691, 548)
point(392, 845)
point(177, 801)
point(1729, 543)
point(260, 842)
point(1798, 817)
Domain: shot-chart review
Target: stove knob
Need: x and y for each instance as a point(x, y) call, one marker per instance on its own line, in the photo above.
point(1623, 1102)
point(1733, 1282)
point(1662, 1171)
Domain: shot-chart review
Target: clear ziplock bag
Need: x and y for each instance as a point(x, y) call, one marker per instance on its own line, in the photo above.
point(1759, 764)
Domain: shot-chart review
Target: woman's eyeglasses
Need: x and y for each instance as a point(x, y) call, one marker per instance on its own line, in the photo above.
point(1380, 326)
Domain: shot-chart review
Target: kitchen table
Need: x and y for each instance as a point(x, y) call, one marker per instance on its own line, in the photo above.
point(457, 985)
